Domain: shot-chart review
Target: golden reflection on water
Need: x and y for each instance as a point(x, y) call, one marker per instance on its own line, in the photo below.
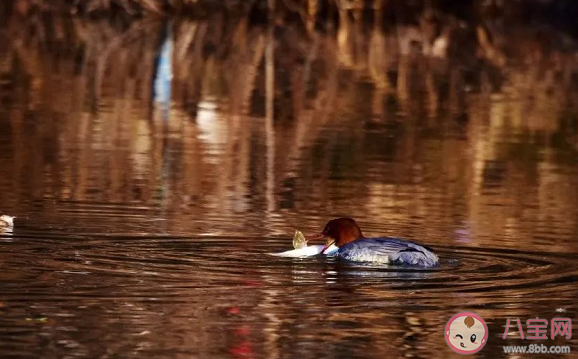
point(407, 134)
point(453, 139)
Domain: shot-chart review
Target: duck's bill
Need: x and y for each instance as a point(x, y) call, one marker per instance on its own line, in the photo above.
point(329, 247)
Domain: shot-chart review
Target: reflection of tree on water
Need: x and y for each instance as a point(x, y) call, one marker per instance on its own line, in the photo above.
point(164, 75)
point(464, 113)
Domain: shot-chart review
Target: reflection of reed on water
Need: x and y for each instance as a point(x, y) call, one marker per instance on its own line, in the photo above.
point(270, 119)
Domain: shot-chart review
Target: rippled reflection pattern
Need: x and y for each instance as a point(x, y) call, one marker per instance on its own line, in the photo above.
point(152, 167)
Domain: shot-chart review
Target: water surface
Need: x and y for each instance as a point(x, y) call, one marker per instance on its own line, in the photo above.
point(153, 166)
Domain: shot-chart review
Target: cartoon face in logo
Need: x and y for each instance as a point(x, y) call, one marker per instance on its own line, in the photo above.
point(466, 333)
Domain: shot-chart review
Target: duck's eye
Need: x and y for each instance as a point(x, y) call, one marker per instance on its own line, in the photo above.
point(459, 336)
point(473, 338)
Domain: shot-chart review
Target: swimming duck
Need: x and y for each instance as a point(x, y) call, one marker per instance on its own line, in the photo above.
point(345, 240)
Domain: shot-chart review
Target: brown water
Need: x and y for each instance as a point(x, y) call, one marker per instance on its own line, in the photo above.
point(145, 216)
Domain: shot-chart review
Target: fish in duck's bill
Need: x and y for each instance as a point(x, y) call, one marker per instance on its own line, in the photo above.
point(301, 252)
point(299, 240)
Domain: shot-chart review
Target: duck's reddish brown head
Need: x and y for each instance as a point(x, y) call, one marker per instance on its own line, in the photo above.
point(340, 231)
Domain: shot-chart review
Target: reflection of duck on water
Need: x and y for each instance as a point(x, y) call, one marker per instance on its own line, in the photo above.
point(6, 221)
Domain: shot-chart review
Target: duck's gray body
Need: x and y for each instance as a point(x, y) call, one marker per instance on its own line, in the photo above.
point(388, 250)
